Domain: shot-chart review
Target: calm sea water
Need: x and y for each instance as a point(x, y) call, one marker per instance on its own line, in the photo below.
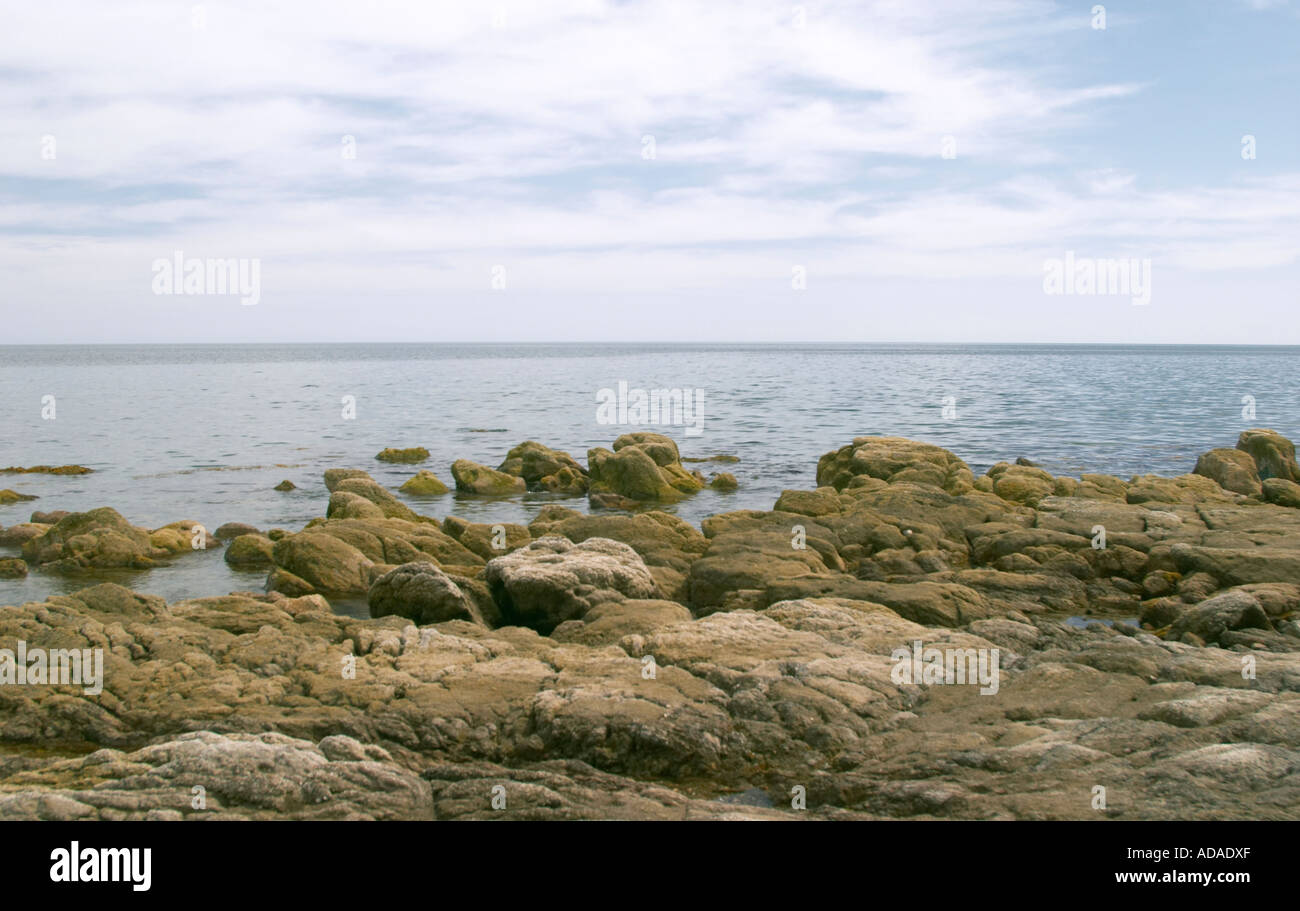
point(200, 432)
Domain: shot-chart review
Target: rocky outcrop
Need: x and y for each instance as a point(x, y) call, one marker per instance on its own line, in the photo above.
point(1273, 454)
point(643, 467)
point(544, 468)
point(607, 666)
point(99, 539)
point(553, 580)
point(1231, 469)
point(471, 477)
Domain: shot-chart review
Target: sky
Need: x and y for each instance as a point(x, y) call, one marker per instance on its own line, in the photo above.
point(630, 171)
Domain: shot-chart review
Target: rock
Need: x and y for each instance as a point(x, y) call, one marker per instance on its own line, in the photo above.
point(1274, 454)
point(346, 505)
point(405, 456)
point(543, 468)
point(249, 550)
point(324, 562)
point(244, 776)
point(8, 496)
point(1231, 610)
point(1186, 488)
point(286, 583)
point(48, 469)
point(285, 486)
point(1021, 483)
point(893, 460)
point(824, 501)
point(100, 539)
point(644, 467)
point(1282, 492)
point(49, 518)
point(1231, 469)
point(333, 476)
point(724, 480)
point(1239, 566)
point(608, 623)
point(389, 506)
point(17, 535)
point(667, 544)
point(424, 484)
point(487, 541)
point(553, 580)
point(232, 530)
point(471, 477)
point(12, 568)
point(421, 592)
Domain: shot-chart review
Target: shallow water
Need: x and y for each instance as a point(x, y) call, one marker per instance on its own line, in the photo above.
point(198, 432)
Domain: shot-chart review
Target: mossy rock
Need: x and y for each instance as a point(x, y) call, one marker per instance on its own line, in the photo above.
point(424, 484)
point(405, 456)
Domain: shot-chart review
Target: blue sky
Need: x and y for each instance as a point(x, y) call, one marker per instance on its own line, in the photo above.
point(510, 141)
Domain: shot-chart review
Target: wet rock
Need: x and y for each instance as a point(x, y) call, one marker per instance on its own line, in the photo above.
point(249, 550)
point(471, 477)
point(424, 484)
point(333, 476)
point(285, 486)
point(12, 568)
point(100, 538)
point(544, 468)
point(232, 530)
point(404, 456)
point(643, 466)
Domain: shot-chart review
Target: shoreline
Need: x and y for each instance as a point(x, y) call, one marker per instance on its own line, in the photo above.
point(629, 664)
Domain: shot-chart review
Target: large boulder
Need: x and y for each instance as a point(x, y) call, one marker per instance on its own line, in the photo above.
point(98, 539)
point(667, 544)
point(553, 580)
point(1274, 454)
point(1229, 611)
point(1281, 492)
point(893, 459)
point(421, 592)
point(333, 476)
point(472, 477)
point(389, 505)
point(324, 561)
point(252, 550)
point(1231, 469)
point(544, 468)
point(643, 466)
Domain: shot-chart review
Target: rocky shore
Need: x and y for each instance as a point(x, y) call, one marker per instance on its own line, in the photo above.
point(619, 662)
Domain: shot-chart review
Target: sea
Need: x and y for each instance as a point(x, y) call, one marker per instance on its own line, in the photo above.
point(206, 432)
